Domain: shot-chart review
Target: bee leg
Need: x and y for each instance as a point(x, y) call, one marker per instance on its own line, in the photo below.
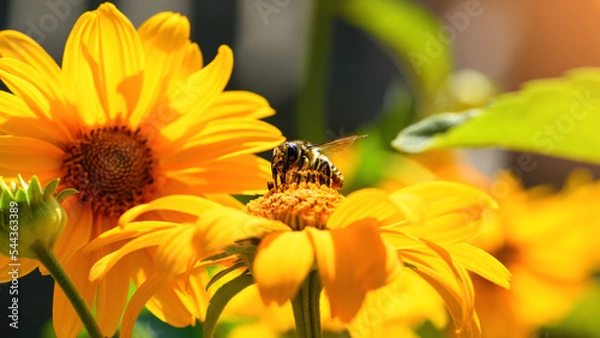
point(276, 176)
point(270, 185)
point(303, 163)
point(310, 177)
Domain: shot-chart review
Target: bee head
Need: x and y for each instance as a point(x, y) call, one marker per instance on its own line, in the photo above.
point(284, 156)
point(292, 153)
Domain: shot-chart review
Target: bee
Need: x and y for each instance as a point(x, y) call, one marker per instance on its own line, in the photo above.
point(298, 160)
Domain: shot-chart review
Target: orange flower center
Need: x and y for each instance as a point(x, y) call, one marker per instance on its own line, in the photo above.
point(297, 205)
point(111, 167)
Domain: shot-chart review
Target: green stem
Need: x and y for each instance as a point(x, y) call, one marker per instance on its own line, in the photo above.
point(310, 109)
point(307, 311)
point(48, 259)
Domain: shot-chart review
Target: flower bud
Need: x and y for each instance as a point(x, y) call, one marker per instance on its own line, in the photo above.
point(29, 214)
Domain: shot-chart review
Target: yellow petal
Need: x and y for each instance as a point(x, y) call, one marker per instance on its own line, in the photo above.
point(220, 227)
point(191, 63)
point(116, 47)
point(133, 230)
point(28, 157)
point(451, 228)
point(176, 251)
point(165, 37)
point(450, 280)
point(14, 44)
point(365, 203)
point(13, 106)
point(200, 90)
point(222, 138)
point(78, 230)
point(112, 297)
point(28, 84)
point(193, 205)
point(439, 191)
point(238, 103)
point(103, 266)
point(243, 174)
point(34, 64)
point(481, 263)
point(197, 293)
point(65, 319)
point(173, 304)
point(137, 302)
point(282, 262)
point(17, 119)
point(351, 261)
point(442, 212)
point(79, 73)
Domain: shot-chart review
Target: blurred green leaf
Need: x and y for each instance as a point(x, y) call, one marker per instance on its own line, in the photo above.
point(583, 319)
point(556, 117)
point(414, 37)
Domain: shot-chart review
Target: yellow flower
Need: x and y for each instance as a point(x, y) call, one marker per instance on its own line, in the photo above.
point(358, 244)
point(548, 241)
point(130, 116)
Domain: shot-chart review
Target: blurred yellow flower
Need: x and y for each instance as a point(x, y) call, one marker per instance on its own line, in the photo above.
point(359, 243)
point(549, 242)
point(130, 116)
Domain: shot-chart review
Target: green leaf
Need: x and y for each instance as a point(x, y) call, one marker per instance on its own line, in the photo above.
point(223, 273)
point(221, 298)
point(421, 136)
point(555, 117)
point(414, 37)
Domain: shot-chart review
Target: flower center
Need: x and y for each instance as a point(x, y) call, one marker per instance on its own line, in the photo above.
point(111, 167)
point(297, 205)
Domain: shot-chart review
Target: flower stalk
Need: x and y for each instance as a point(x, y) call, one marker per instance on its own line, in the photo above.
point(306, 307)
point(46, 256)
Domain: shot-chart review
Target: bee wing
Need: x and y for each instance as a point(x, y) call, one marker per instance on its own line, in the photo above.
point(339, 144)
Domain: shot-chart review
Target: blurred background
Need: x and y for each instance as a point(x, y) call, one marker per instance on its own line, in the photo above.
point(334, 68)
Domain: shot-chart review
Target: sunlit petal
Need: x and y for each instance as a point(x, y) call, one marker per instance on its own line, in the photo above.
point(243, 174)
point(480, 262)
point(365, 203)
point(115, 50)
point(281, 265)
point(346, 270)
point(199, 92)
point(164, 38)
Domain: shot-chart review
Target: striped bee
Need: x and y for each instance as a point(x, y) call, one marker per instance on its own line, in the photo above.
point(298, 160)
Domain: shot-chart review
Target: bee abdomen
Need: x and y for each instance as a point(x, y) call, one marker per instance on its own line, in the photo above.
point(337, 179)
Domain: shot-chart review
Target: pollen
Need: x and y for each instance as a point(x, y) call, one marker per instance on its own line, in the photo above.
point(297, 205)
point(111, 167)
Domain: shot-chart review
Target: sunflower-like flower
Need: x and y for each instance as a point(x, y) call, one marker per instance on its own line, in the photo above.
point(357, 244)
point(130, 116)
